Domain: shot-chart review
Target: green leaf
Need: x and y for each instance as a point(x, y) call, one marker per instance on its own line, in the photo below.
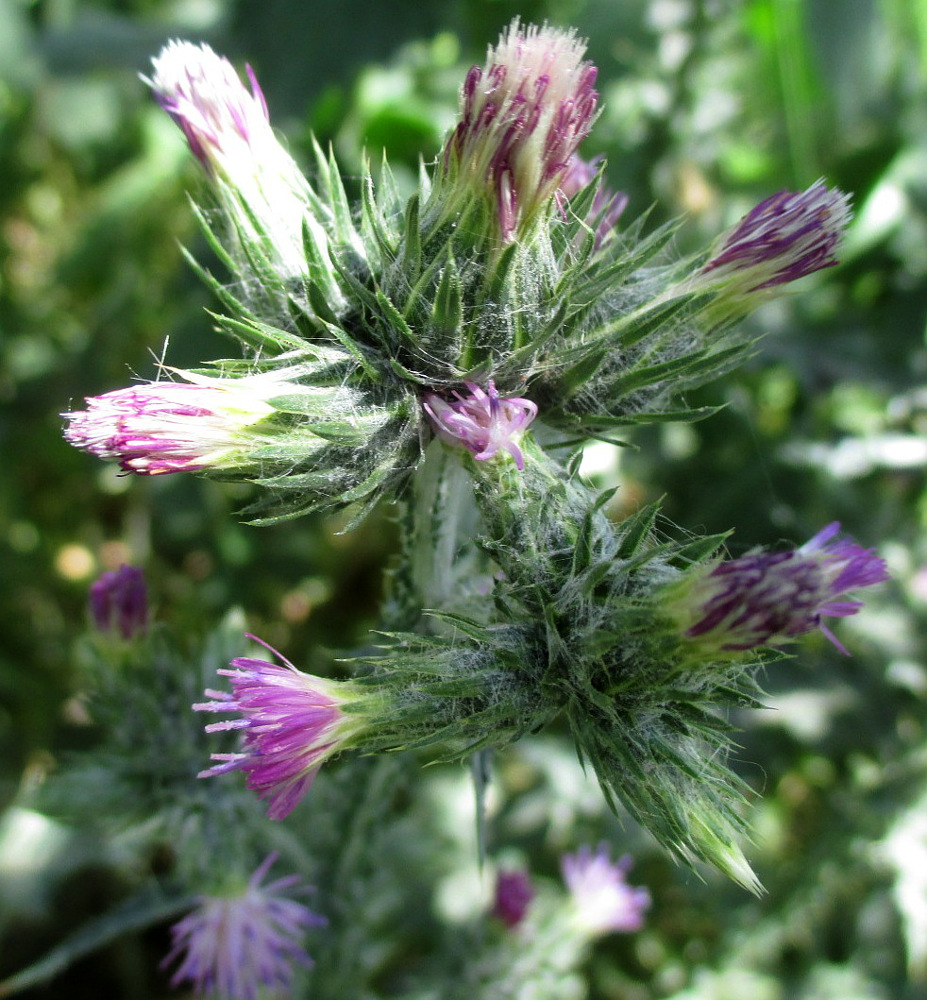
point(149, 907)
point(636, 529)
point(395, 322)
point(447, 313)
point(597, 281)
point(410, 254)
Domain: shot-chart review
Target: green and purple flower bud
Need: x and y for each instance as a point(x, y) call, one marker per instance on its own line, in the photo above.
point(482, 422)
point(522, 115)
point(119, 602)
point(787, 236)
point(234, 947)
point(290, 722)
point(228, 129)
point(770, 598)
point(603, 900)
point(159, 427)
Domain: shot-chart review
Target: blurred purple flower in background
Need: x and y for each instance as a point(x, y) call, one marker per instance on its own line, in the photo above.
point(234, 947)
point(119, 602)
point(603, 899)
point(513, 895)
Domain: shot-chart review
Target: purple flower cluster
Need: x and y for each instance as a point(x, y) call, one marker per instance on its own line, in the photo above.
point(522, 116)
point(603, 899)
point(767, 598)
point(482, 422)
point(235, 947)
point(291, 723)
point(786, 237)
point(119, 602)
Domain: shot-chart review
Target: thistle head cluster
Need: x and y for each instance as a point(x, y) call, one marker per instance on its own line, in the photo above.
point(502, 310)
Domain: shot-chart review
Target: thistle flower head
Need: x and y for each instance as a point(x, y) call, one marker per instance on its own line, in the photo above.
point(786, 237)
point(236, 946)
point(768, 598)
point(513, 894)
point(602, 898)
point(522, 115)
point(482, 421)
point(290, 722)
point(228, 130)
point(159, 427)
point(119, 602)
point(221, 119)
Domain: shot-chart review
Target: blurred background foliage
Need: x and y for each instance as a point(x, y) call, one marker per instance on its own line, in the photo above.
point(709, 106)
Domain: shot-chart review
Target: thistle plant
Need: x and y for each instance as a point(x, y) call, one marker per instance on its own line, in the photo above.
point(449, 354)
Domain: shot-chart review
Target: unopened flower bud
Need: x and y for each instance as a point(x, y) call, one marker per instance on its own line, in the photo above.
point(769, 598)
point(522, 116)
point(513, 894)
point(228, 129)
point(159, 427)
point(784, 238)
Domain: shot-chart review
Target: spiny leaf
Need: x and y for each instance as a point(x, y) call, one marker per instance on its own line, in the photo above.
point(395, 322)
point(333, 328)
point(634, 327)
point(230, 301)
point(374, 224)
point(700, 549)
point(636, 529)
point(521, 358)
point(584, 550)
point(447, 313)
point(579, 374)
point(258, 334)
point(341, 206)
point(215, 244)
point(494, 289)
point(596, 281)
point(411, 245)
